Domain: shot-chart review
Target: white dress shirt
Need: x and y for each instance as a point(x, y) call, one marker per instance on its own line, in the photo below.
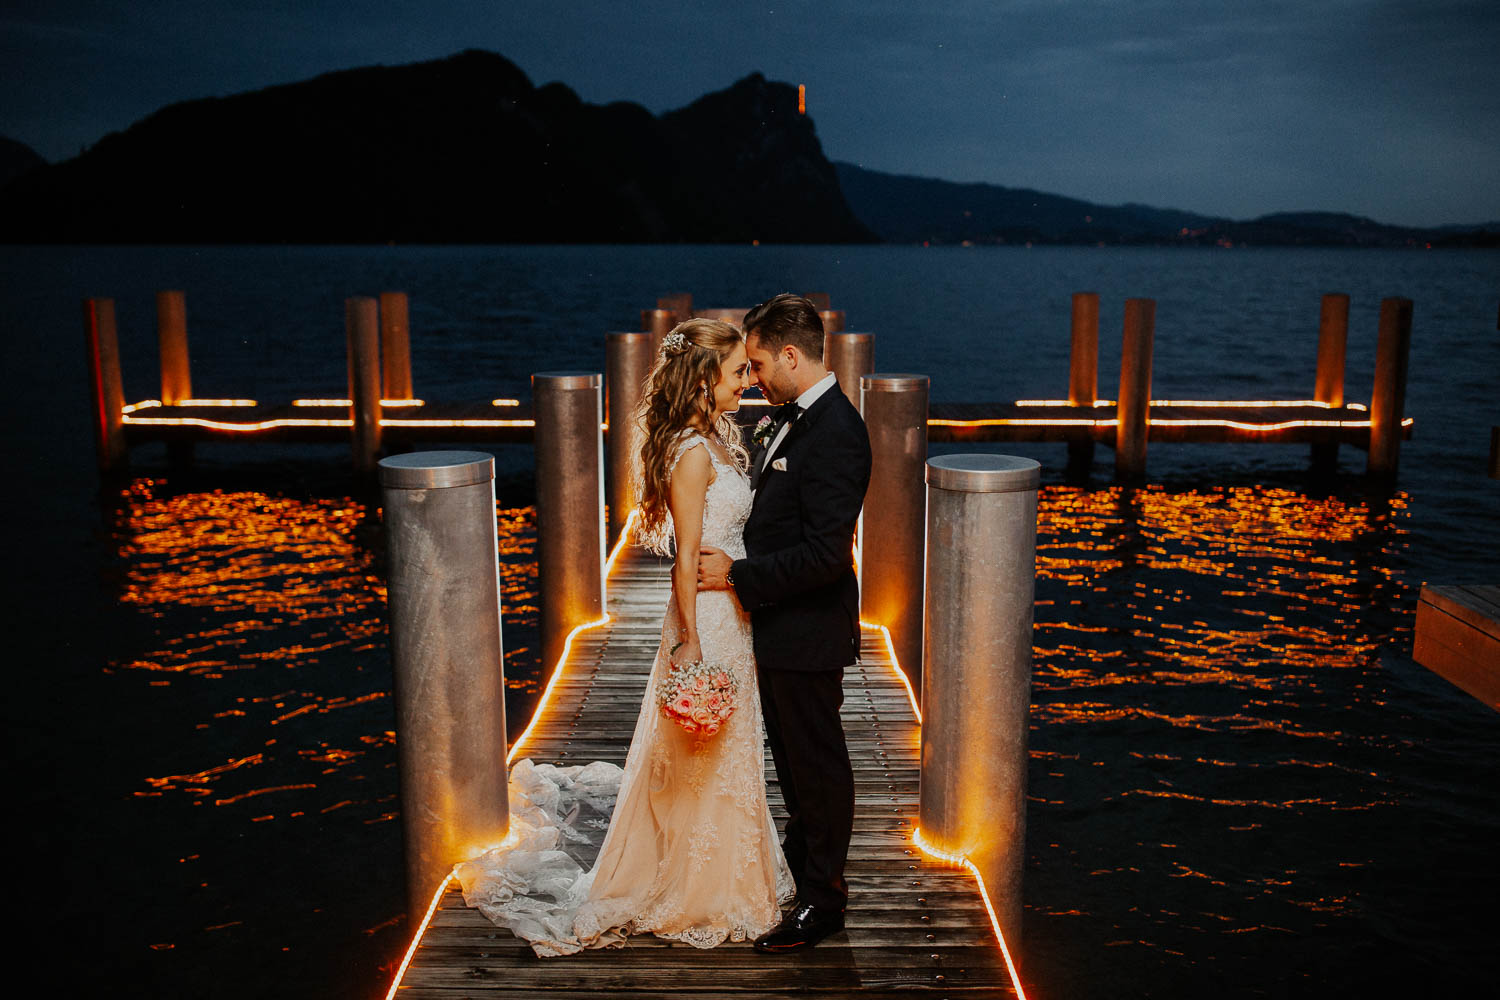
point(805, 400)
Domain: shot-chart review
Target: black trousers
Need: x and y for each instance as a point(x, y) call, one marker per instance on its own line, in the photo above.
point(801, 710)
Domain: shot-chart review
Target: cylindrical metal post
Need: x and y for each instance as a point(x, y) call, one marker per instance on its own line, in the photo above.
point(627, 362)
point(849, 356)
point(171, 339)
point(569, 504)
point(1328, 385)
point(103, 344)
point(447, 650)
point(1495, 452)
point(1134, 406)
point(895, 513)
point(395, 346)
point(820, 300)
point(658, 323)
point(976, 681)
point(1083, 371)
point(362, 331)
point(833, 320)
point(1388, 400)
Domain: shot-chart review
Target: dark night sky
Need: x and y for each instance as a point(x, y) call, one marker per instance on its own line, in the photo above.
point(1383, 108)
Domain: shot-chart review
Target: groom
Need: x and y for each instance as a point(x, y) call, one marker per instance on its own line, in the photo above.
point(798, 583)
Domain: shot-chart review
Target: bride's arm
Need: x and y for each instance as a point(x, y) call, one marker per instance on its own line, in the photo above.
point(686, 497)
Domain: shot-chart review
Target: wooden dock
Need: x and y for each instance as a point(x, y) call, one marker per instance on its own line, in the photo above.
point(917, 926)
point(1458, 637)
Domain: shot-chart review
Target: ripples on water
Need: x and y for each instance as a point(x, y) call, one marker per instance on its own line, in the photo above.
point(1223, 769)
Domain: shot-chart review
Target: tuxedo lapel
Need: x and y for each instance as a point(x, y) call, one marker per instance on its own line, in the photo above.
point(800, 428)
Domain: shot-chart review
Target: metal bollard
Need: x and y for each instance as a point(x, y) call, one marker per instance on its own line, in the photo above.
point(627, 362)
point(976, 682)
point(895, 513)
point(1388, 400)
point(1134, 408)
point(107, 385)
point(395, 346)
point(849, 356)
point(569, 504)
point(833, 320)
point(171, 339)
point(820, 300)
point(362, 329)
point(448, 654)
point(1328, 383)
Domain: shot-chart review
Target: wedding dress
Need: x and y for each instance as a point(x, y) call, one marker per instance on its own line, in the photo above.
point(691, 852)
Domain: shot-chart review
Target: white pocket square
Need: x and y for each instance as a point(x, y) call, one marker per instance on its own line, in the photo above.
point(779, 465)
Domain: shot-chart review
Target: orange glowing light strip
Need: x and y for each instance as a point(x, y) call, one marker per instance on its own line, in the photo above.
point(1062, 402)
point(220, 425)
point(609, 565)
point(928, 849)
point(417, 937)
point(984, 894)
point(1019, 422)
point(557, 672)
point(216, 402)
point(392, 403)
point(505, 402)
point(474, 422)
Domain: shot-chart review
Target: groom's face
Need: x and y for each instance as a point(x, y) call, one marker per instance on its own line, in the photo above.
point(770, 371)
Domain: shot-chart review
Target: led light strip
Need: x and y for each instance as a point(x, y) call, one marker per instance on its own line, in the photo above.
point(984, 894)
point(557, 672)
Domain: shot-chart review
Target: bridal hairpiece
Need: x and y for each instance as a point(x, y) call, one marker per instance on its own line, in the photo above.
point(673, 344)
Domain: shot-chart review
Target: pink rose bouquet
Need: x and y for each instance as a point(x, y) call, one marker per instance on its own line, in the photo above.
point(699, 697)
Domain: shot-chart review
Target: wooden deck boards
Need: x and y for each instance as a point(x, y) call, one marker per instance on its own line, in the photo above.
point(1458, 637)
point(915, 927)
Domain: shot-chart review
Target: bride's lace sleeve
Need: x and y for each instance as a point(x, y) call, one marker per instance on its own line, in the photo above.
point(663, 542)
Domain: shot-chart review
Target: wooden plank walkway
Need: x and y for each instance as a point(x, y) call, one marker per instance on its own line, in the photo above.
point(1248, 422)
point(1458, 637)
point(916, 927)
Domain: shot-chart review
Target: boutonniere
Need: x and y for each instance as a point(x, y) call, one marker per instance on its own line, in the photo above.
point(762, 432)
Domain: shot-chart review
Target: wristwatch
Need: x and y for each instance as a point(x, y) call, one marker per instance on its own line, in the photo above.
point(729, 578)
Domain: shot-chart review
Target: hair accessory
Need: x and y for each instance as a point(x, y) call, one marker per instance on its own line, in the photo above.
point(673, 343)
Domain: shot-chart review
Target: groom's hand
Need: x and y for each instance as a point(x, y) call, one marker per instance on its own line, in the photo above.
point(713, 568)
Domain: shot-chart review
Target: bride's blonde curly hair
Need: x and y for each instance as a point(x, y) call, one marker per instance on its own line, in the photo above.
point(673, 400)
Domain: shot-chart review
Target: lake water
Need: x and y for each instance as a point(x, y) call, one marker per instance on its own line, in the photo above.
point(1241, 784)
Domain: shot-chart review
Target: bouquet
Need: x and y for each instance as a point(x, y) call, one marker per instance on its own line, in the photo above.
point(698, 696)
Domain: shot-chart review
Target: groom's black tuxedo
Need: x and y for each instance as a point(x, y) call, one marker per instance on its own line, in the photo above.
point(797, 581)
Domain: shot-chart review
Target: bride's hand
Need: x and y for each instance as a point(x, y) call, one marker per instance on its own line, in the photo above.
point(689, 652)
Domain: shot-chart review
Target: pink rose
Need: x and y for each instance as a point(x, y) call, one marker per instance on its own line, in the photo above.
point(714, 701)
point(703, 716)
point(700, 683)
point(721, 679)
point(684, 704)
point(711, 728)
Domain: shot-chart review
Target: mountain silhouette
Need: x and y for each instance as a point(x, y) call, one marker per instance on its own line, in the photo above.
point(463, 149)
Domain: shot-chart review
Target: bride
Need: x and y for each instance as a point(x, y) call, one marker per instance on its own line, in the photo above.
point(691, 852)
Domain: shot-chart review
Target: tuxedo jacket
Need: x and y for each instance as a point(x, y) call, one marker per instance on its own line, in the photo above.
point(797, 579)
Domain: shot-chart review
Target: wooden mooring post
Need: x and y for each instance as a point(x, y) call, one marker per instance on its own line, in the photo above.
point(108, 391)
point(362, 332)
point(1135, 389)
point(395, 346)
point(1328, 385)
point(171, 339)
point(849, 356)
point(1083, 373)
point(1388, 400)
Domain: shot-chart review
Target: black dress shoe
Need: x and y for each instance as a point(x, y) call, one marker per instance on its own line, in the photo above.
point(803, 927)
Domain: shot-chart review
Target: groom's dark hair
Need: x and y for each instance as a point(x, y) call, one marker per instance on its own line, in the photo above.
point(787, 319)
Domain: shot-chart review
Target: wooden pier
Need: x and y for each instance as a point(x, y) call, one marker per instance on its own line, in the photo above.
point(382, 416)
point(918, 926)
point(1458, 637)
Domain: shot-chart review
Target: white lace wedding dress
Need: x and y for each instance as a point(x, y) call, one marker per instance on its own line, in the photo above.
point(691, 852)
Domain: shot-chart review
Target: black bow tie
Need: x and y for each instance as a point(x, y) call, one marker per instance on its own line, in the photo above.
point(785, 413)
